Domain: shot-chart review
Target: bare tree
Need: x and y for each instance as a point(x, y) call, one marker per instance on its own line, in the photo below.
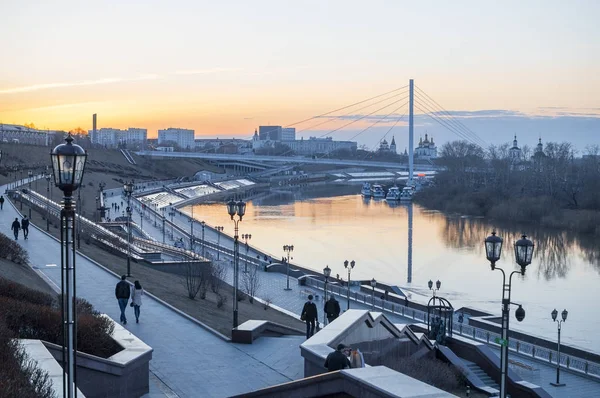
point(217, 277)
point(251, 283)
point(196, 278)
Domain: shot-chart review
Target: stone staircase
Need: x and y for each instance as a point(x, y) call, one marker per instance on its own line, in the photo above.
point(485, 378)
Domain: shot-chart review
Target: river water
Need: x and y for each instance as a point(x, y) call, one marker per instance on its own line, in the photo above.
point(326, 230)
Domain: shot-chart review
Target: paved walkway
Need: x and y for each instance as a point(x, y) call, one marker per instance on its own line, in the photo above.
point(191, 361)
point(273, 284)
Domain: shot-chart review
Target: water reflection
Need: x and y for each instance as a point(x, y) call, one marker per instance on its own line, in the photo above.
point(553, 248)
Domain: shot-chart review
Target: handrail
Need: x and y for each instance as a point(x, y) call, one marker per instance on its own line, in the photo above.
point(571, 362)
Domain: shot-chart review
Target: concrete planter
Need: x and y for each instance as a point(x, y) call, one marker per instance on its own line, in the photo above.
point(123, 375)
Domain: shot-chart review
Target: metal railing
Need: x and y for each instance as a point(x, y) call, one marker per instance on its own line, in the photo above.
point(571, 362)
point(521, 347)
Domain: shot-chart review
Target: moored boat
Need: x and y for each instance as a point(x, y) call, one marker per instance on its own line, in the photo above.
point(366, 190)
point(393, 193)
point(377, 192)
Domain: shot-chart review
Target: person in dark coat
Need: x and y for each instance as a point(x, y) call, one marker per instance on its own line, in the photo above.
point(337, 360)
point(332, 309)
point(1, 202)
point(309, 315)
point(122, 292)
point(25, 227)
point(16, 226)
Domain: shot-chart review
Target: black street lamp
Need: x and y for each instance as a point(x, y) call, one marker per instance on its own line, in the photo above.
point(128, 189)
point(373, 285)
point(192, 233)
point(349, 268)
point(326, 274)
point(203, 225)
point(163, 223)
point(171, 214)
point(219, 231)
point(563, 314)
point(523, 254)
point(48, 202)
point(236, 208)
point(288, 249)
point(438, 285)
point(246, 237)
point(68, 164)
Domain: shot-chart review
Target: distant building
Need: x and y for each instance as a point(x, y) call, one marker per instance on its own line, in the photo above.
point(515, 152)
point(24, 135)
point(112, 138)
point(384, 146)
point(270, 133)
point(393, 145)
point(184, 138)
point(288, 134)
point(220, 145)
point(315, 145)
point(426, 149)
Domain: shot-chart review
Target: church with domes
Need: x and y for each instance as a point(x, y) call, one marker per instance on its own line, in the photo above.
point(384, 147)
point(426, 148)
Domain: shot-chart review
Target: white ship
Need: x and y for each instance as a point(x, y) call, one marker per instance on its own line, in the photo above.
point(393, 193)
point(377, 192)
point(366, 190)
point(407, 193)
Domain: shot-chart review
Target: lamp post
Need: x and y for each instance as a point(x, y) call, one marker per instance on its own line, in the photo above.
point(128, 189)
point(48, 202)
point(203, 225)
point(171, 214)
point(246, 237)
point(192, 231)
point(68, 164)
point(163, 223)
point(523, 254)
point(219, 231)
point(326, 273)
point(236, 208)
point(438, 285)
point(288, 249)
point(349, 266)
point(373, 285)
point(78, 218)
point(563, 314)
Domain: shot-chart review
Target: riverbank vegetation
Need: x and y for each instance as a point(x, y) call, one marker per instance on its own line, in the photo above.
point(552, 186)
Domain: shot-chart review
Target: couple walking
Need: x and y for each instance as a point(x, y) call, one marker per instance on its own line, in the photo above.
point(123, 291)
point(310, 315)
point(24, 225)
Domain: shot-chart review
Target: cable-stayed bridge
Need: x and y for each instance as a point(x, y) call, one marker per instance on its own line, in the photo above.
point(387, 109)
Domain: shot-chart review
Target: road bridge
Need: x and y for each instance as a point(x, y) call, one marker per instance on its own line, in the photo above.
point(286, 160)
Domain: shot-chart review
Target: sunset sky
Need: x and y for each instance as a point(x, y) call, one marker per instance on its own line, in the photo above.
point(223, 68)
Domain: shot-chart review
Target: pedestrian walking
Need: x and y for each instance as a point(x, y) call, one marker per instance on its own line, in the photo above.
point(337, 360)
point(1, 202)
point(136, 299)
point(356, 359)
point(122, 292)
point(309, 315)
point(16, 226)
point(25, 227)
point(332, 309)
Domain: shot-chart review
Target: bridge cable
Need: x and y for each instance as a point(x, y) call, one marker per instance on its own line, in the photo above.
point(443, 112)
point(340, 109)
point(383, 118)
point(427, 111)
point(354, 121)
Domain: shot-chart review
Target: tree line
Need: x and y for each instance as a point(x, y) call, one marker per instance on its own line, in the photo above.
point(555, 186)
